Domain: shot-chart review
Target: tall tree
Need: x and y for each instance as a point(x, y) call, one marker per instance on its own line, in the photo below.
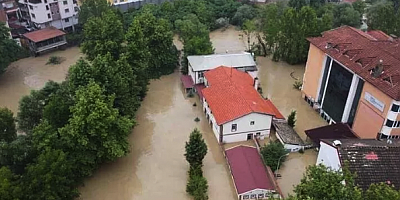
point(8, 132)
point(196, 149)
point(243, 13)
point(95, 132)
point(345, 14)
point(383, 16)
point(273, 155)
point(9, 187)
point(322, 183)
point(92, 8)
point(381, 191)
point(360, 6)
point(103, 35)
point(50, 177)
point(9, 49)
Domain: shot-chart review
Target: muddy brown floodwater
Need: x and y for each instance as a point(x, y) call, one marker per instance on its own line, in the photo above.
point(277, 85)
point(32, 73)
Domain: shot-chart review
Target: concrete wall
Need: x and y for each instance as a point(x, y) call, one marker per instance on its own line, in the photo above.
point(40, 12)
point(313, 72)
point(328, 156)
point(262, 125)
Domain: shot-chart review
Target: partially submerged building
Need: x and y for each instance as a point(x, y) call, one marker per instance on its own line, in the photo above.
point(45, 39)
point(353, 77)
point(288, 136)
point(234, 108)
point(372, 160)
point(252, 179)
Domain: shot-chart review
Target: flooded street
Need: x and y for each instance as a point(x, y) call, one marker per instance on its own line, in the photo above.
point(32, 73)
point(277, 85)
point(156, 167)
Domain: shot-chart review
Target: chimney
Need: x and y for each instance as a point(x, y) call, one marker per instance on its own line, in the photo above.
point(255, 83)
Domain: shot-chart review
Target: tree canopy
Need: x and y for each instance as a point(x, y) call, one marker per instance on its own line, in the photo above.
point(384, 16)
point(273, 154)
point(8, 132)
point(9, 49)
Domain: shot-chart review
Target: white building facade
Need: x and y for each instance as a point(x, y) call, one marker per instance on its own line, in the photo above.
point(62, 14)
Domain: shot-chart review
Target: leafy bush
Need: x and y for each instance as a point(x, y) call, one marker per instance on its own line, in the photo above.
point(243, 13)
point(74, 39)
point(221, 22)
point(297, 85)
point(54, 60)
point(273, 154)
point(292, 118)
point(197, 186)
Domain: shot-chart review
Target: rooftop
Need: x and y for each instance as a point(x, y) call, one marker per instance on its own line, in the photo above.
point(333, 131)
point(248, 170)
point(364, 52)
point(187, 81)
point(43, 34)
point(287, 133)
point(207, 62)
point(373, 161)
point(3, 16)
point(231, 95)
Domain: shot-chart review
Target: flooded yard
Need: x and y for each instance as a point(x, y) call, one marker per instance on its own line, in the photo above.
point(32, 73)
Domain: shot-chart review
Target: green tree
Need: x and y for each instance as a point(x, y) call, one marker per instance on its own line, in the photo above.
point(103, 35)
point(9, 185)
point(298, 4)
point(50, 177)
point(56, 111)
point(197, 186)
point(322, 183)
point(383, 16)
point(381, 191)
point(345, 14)
point(273, 155)
point(92, 8)
point(359, 6)
point(8, 132)
point(31, 106)
point(95, 132)
point(196, 149)
point(243, 13)
point(249, 28)
point(9, 49)
point(292, 118)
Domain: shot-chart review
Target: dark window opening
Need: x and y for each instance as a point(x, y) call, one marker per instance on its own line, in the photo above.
point(252, 123)
point(389, 123)
point(234, 127)
point(395, 108)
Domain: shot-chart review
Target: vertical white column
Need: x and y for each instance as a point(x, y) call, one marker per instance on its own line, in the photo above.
point(326, 83)
point(321, 77)
point(350, 98)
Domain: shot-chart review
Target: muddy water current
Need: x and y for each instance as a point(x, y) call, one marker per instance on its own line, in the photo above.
point(156, 168)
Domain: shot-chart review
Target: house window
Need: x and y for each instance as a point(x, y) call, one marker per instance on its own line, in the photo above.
point(395, 108)
point(52, 13)
point(260, 196)
point(234, 127)
point(201, 75)
point(76, 9)
point(67, 10)
point(33, 16)
point(48, 16)
point(47, 7)
point(66, 20)
point(30, 7)
point(253, 196)
point(245, 196)
point(389, 123)
point(252, 123)
point(45, 1)
point(65, 2)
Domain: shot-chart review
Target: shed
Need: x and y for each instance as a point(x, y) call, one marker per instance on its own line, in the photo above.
point(249, 174)
point(45, 39)
point(288, 136)
point(333, 131)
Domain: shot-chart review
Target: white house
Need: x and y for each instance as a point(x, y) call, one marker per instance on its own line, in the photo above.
point(61, 14)
point(372, 160)
point(234, 109)
point(197, 65)
point(252, 179)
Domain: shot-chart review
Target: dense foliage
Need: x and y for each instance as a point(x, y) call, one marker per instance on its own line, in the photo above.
point(384, 16)
point(292, 118)
point(8, 131)
point(273, 154)
point(9, 49)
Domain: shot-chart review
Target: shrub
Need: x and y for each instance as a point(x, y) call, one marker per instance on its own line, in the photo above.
point(196, 119)
point(297, 85)
point(195, 170)
point(74, 39)
point(54, 60)
point(197, 186)
point(273, 154)
point(222, 22)
point(292, 118)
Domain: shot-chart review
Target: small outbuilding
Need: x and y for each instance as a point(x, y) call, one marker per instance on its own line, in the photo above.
point(333, 131)
point(251, 178)
point(288, 136)
point(45, 39)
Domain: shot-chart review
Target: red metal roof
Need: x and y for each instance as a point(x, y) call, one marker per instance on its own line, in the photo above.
point(187, 81)
point(248, 170)
point(231, 95)
point(43, 34)
point(361, 52)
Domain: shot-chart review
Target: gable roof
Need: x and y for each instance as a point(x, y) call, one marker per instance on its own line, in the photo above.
point(248, 170)
point(207, 62)
point(43, 34)
point(361, 52)
point(373, 161)
point(231, 95)
point(333, 131)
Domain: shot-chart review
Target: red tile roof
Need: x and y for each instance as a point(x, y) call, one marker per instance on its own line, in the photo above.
point(248, 170)
point(277, 114)
point(3, 16)
point(231, 95)
point(361, 52)
point(43, 34)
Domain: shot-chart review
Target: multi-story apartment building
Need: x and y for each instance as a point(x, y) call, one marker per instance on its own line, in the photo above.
point(353, 77)
point(62, 14)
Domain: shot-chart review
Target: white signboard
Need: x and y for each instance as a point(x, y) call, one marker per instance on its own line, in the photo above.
point(374, 101)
